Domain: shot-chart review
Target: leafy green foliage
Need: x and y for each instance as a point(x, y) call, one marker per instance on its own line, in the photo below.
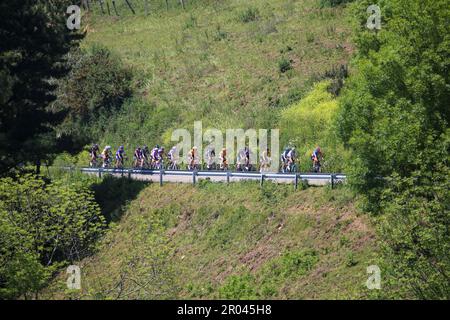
point(43, 225)
point(394, 116)
point(239, 287)
point(284, 65)
point(96, 87)
point(309, 123)
point(415, 229)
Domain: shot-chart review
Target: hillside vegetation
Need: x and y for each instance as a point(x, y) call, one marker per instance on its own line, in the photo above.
point(231, 64)
point(236, 241)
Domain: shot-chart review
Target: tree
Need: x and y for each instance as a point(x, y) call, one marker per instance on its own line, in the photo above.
point(394, 116)
point(96, 86)
point(34, 41)
point(41, 227)
point(399, 95)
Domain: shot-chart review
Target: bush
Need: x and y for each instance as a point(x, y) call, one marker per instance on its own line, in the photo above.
point(284, 65)
point(310, 123)
point(239, 287)
point(97, 85)
point(41, 226)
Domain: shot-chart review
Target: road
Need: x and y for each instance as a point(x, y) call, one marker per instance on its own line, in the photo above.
point(183, 176)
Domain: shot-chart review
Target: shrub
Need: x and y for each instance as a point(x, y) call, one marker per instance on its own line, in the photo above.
point(239, 287)
point(310, 123)
point(284, 65)
point(42, 225)
point(97, 84)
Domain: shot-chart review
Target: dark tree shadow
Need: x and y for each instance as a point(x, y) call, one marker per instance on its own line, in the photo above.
point(112, 194)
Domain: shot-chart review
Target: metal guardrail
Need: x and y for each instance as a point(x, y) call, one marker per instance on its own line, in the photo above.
point(296, 178)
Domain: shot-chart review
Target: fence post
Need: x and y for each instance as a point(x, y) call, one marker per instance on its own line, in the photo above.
point(161, 177)
point(100, 172)
point(228, 176)
point(129, 173)
point(194, 176)
point(296, 182)
point(332, 181)
point(262, 180)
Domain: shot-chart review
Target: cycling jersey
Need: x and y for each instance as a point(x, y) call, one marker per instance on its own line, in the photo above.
point(291, 155)
point(138, 153)
point(285, 154)
point(154, 153)
point(119, 154)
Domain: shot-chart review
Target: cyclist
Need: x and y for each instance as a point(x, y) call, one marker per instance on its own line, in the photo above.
point(160, 158)
point(193, 159)
point(284, 159)
point(120, 156)
point(93, 154)
point(106, 156)
point(248, 165)
point(137, 157)
point(241, 160)
point(316, 157)
point(223, 159)
point(291, 158)
point(172, 156)
point(154, 156)
point(210, 158)
point(145, 157)
point(265, 160)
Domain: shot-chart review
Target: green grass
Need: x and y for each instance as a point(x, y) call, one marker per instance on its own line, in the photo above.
point(217, 61)
point(219, 241)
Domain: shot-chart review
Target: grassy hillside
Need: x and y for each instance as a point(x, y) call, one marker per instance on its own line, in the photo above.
point(235, 241)
point(228, 63)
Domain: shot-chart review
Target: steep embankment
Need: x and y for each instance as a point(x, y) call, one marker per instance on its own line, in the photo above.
point(236, 241)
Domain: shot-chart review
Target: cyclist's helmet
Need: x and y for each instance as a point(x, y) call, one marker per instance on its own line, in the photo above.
point(121, 148)
point(157, 146)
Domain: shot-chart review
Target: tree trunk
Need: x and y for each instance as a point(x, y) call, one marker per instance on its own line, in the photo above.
point(129, 5)
point(115, 9)
point(101, 6)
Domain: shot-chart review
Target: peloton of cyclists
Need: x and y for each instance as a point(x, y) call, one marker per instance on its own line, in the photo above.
point(154, 159)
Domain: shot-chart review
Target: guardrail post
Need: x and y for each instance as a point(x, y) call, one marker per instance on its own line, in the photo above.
point(100, 172)
point(194, 176)
point(129, 173)
point(296, 182)
point(228, 176)
point(262, 180)
point(161, 171)
point(332, 181)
